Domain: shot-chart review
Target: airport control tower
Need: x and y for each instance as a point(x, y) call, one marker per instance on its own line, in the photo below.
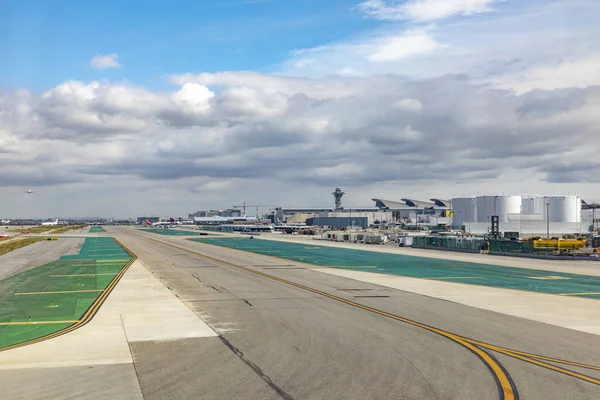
point(338, 198)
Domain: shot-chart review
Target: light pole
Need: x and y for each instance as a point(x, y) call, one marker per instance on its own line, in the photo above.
point(548, 220)
point(416, 219)
point(520, 221)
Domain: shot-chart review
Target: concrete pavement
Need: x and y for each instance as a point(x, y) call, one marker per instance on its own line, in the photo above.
point(272, 338)
point(302, 345)
point(36, 254)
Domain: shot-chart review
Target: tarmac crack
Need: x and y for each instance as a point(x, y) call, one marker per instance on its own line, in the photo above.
point(256, 369)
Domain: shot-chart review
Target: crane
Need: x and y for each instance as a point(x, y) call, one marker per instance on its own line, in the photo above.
point(244, 205)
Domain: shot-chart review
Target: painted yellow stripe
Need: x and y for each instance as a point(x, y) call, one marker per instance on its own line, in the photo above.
point(55, 276)
point(505, 384)
point(511, 352)
point(37, 322)
point(61, 292)
point(552, 367)
point(578, 294)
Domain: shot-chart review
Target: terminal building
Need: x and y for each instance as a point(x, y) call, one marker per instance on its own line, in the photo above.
point(310, 216)
point(418, 212)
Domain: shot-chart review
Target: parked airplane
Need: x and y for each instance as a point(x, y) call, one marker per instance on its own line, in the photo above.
point(50, 223)
point(171, 222)
point(29, 191)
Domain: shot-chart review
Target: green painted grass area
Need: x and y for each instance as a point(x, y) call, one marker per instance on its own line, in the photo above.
point(96, 229)
point(174, 232)
point(22, 333)
point(59, 291)
point(420, 267)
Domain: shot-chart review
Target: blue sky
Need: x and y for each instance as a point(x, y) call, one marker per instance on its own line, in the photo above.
point(48, 42)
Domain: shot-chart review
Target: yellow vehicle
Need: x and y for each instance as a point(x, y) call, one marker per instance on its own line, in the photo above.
point(566, 244)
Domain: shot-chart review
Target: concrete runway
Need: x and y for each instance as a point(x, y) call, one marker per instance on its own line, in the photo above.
point(36, 254)
point(279, 341)
point(285, 331)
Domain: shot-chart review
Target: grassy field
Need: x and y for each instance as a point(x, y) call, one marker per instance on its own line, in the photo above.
point(34, 229)
point(67, 229)
point(17, 244)
point(44, 229)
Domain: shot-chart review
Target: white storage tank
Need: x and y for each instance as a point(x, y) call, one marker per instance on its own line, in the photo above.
point(563, 208)
point(533, 205)
point(464, 209)
point(497, 205)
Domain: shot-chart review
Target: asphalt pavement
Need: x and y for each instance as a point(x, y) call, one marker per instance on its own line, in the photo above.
point(288, 332)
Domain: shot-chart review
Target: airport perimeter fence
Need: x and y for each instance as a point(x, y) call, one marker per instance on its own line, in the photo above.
point(448, 243)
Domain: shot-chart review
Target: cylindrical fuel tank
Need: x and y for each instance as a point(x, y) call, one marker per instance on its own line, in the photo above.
point(464, 209)
point(563, 208)
point(497, 205)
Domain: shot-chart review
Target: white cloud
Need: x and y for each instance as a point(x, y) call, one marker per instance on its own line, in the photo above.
point(424, 10)
point(194, 98)
point(538, 44)
point(409, 105)
point(104, 61)
point(408, 44)
point(291, 133)
point(578, 73)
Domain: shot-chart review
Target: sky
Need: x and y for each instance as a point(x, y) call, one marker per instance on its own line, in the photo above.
point(128, 108)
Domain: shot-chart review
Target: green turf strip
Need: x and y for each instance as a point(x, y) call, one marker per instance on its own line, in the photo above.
point(420, 267)
point(96, 229)
point(13, 334)
point(61, 290)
